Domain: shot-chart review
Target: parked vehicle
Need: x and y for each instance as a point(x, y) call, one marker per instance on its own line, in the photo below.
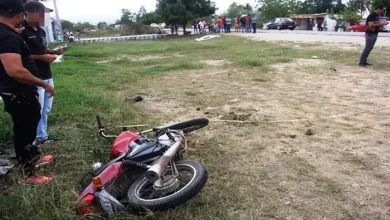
point(145, 173)
point(282, 23)
point(359, 26)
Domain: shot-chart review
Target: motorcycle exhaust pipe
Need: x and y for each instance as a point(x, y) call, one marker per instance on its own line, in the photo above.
point(160, 165)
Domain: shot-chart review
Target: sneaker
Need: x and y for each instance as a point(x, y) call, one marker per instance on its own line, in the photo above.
point(36, 180)
point(44, 161)
point(41, 142)
point(368, 64)
point(362, 65)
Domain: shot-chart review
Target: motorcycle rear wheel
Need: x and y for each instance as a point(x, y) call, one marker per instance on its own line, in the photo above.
point(144, 196)
point(186, 127)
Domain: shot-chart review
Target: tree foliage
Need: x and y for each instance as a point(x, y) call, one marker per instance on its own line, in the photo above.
point(67, 25)
point(277, 8)
point(280, 8)
point(235, 9)
point(183, 11)
point(127, 17)
point(149, 18)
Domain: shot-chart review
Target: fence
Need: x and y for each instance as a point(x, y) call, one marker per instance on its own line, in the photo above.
point(121, 38)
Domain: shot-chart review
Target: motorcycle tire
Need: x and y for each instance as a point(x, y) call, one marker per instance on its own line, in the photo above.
point(186, 127)
point(186, 193)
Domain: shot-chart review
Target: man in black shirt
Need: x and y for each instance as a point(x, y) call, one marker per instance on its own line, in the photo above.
point(18, 88)
point(35, 37)
point(372, 28)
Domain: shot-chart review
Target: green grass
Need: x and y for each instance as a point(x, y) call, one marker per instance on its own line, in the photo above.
point(85, 88)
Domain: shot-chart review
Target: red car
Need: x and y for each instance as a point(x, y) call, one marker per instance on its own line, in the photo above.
point(359, 26)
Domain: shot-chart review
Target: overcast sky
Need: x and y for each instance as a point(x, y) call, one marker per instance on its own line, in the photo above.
point(95, 11)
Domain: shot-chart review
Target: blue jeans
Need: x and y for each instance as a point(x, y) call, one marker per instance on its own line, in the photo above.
point(46, 104)
point(248, 28)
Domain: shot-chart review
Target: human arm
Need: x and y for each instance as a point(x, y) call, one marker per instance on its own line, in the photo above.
point(10, 57)
point(51, 51)
point(12, 63)
point(47, 58)
point(374, 23)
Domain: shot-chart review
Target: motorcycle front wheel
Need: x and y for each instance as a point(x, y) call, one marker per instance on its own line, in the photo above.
point(175, 191)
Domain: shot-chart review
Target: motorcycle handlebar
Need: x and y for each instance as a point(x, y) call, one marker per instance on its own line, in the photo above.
point(99, 121)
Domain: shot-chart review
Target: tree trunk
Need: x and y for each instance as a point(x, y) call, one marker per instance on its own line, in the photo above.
point(184, 29)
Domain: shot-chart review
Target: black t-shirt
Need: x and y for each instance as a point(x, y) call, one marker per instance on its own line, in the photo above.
point(36, 41)
point(243, 20)
point(373, 17)
point(11, 42)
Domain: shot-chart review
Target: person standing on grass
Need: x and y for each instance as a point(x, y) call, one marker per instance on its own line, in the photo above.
point(372, 28)
point(248, 23)
point(195, 28)
point(243, 24)
point(219, 24)
point(18, 89)
point(212, 24)
point(223, 24)
point(254, 23)
point(35, 37)
point(78, 35)
point(238, 24)
point(228, 24)
point(200, 27)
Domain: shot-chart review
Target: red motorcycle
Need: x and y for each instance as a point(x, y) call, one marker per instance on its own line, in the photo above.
point(145, 173)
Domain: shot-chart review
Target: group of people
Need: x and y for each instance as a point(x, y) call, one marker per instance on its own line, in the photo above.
point(244, 23)
point(26, 82)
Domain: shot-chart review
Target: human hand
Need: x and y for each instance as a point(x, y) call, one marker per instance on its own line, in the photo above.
point(59, 51)
point(19, 29)
point(49, 58)
point(50, 89)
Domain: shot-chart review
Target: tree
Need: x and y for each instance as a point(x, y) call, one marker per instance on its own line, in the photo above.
point(81, 26)
point(344, 18)
point(67, 25)
point(248, 8)
point(183, 11)
point(149, 18)
point(102, 25)
point(362, 6)
point(127, 17)
point(142, 11)
point(234, 10)
point(277, 8)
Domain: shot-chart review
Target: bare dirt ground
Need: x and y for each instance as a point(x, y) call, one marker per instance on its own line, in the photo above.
point(322, 39)
point(340, 169)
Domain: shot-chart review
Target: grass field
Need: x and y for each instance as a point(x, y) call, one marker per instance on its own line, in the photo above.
point(264, 170)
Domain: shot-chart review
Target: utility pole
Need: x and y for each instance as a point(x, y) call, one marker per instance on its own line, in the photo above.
point(58, 19)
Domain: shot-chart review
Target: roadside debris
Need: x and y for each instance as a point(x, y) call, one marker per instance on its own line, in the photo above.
point(136, 99)
point(293, 135)
point(309, 132)
point(315, 57)
point(207, 37)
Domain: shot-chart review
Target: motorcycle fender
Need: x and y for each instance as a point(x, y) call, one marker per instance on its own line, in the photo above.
point(107, 175)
